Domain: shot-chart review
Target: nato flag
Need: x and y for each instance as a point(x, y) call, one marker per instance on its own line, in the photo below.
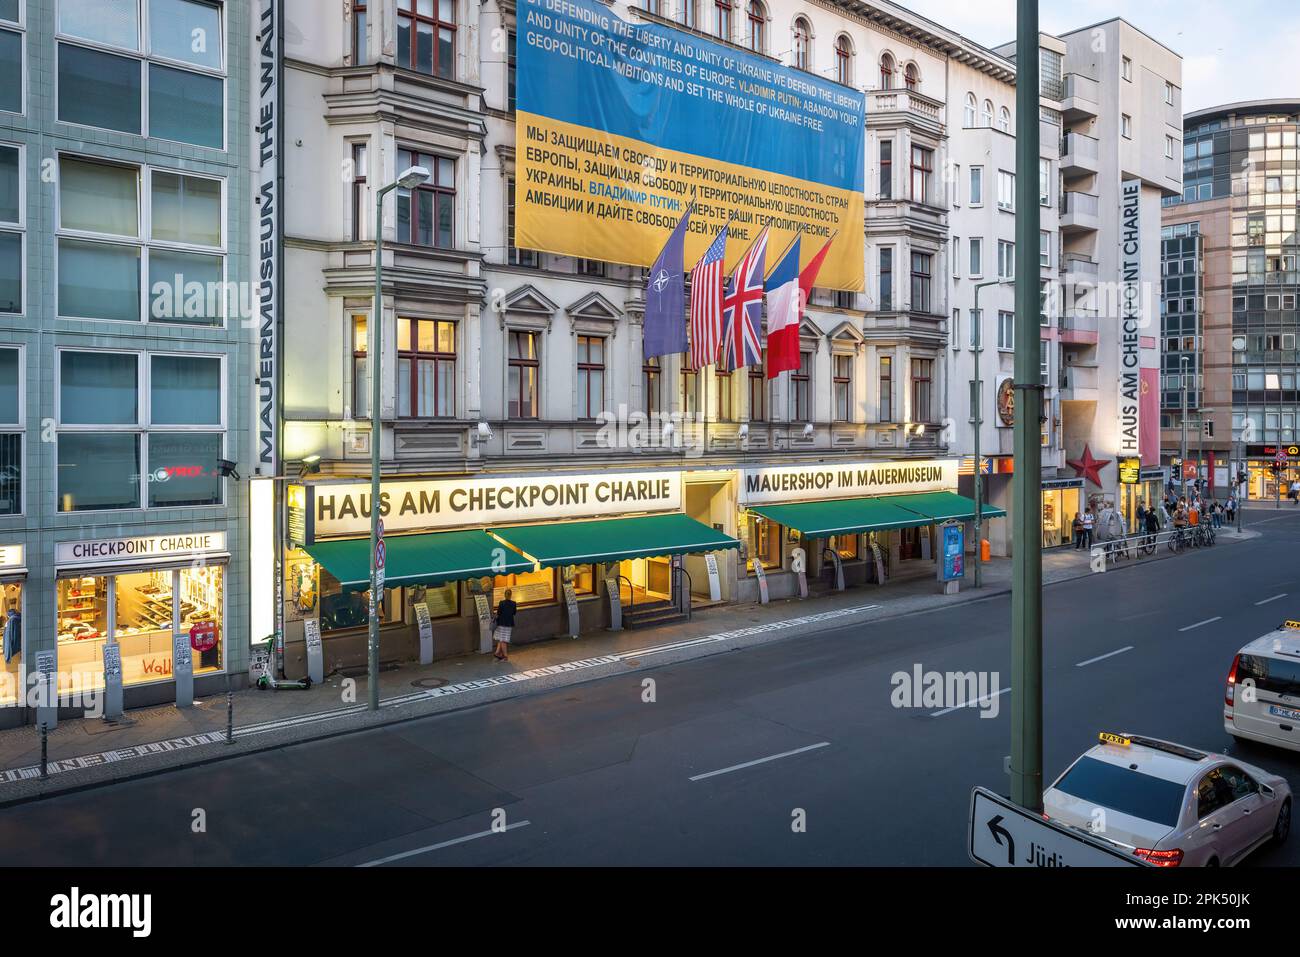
point(665, 297)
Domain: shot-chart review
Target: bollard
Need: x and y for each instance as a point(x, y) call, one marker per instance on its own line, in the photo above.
point(230, 718)
point(45, 753)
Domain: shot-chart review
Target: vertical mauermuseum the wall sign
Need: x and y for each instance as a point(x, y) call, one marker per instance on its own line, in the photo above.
point(448, 503)
point(1130, 320)
point(269, 224)
point(760, 486)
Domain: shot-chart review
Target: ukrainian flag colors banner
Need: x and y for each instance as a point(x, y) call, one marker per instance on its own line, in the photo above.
point(620, 124)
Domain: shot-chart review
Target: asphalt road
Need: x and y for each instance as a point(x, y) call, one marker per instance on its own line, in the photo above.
point(594, 774)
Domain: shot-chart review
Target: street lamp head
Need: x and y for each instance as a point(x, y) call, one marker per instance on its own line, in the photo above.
point(413, 177)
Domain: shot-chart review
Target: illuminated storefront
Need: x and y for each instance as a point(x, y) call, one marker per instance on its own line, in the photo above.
point(138, 593)
point(13, 576)
point(1061, 500)
point(1262, 481)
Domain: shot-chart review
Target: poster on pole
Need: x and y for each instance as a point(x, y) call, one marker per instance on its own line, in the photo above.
point(621, 122)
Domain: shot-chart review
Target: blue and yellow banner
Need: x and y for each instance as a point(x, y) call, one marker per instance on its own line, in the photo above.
point(620, 124)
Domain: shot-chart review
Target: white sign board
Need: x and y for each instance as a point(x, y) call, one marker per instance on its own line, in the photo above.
point(765, 486)
point(425, 626)
point(1003, 834)
point(131, 551)
point(448, 503)
point(1129, 405)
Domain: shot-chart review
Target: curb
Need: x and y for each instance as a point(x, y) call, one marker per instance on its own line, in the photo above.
point(402, 709)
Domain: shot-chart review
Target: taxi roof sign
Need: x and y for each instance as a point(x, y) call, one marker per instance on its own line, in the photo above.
point(1105, 737)
point(1291, 624)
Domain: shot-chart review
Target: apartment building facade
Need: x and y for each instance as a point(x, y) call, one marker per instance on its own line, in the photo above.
point(125, 391)
point(1230, 299)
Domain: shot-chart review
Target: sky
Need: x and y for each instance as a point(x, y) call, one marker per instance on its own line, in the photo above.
point(1232, 49)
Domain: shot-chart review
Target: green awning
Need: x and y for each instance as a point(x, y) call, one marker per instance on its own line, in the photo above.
point(841, 516)
point(431, 559)
point(942, 506)
point(614, 540)
point(884, 512)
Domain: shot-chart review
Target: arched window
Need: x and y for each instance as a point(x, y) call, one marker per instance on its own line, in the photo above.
point(886, 72)
point(986, 117)
point(722, 19)
point(756, 16)
point(802, 44)
point(1004, 120)
point(844, 60)
point(911, 78)
point(969, 121)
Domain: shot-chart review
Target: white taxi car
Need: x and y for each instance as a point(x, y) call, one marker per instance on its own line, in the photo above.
point(1170, 805)
point(1262, 701)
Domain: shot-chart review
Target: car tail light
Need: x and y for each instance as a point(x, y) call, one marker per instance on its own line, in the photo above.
point(1230, 694)
point(1170, 858)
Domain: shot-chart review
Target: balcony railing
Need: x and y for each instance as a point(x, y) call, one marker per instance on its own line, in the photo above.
point(1078, 86)
point(904, 101)
point(1086, 204)
point(1079, 144)
point(1078, 264)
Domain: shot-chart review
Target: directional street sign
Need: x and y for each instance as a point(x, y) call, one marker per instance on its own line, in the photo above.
point(1003, 834)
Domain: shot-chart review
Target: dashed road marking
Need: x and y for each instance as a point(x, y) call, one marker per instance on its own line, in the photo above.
point(1274, 598)
point(439, 846)
point(750, 764)
point(1109, 654)
point(970, 704)
point(1207, 621)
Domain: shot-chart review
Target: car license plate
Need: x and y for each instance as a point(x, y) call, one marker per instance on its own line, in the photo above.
point(1287, 713)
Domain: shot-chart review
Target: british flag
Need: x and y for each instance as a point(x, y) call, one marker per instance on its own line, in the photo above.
point(706, 302)
point(742, 309)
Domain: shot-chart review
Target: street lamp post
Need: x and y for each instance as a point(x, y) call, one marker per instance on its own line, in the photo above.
point(1182, 462)
point(408, 180)
point(977, 323)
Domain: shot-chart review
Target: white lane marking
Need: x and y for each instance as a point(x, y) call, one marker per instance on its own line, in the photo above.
point(437, 847)
point(1274, 598)
point(1143, 614)
point(1207, 621)
point(750, 764)
point(1109, 654)
point(970, 704)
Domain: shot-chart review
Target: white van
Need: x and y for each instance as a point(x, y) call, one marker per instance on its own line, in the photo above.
point(1262, 701)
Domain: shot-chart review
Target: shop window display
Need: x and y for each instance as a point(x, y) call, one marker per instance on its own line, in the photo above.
point(530, 588)
point(148, 607)
point(341, 609)
point(764, 541)
point(443, 600)
point(11, 676)
point(846, 546)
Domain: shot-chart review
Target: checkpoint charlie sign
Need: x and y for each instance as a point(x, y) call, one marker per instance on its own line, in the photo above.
point(766, 486)
point(449, 503)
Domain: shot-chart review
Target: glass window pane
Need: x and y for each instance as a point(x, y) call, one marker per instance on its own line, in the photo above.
point(446, 388)
point(9, 173)
point(183, 469)
point(9, 10)
point(404, 387)
point(424, 47)
point(142, 624)
point(446, 59)
point(185, 287)
point(185, 390)
point(403, 215)
point(185, 30)
point(447, 338)
point(445, 211)
point(424, 236)
point(11, 272)
point(99, 281)
point(202, 603)
point(9, 368)
point(11, 71)
point(99, 198)
point(425, 336)
point(185, 209)
point(98, 471)
point(11, 473)
point(99, 89)
point(98, 388)
point(424, 387)
point(187, 107)
point(82, 630)
point(115, 23)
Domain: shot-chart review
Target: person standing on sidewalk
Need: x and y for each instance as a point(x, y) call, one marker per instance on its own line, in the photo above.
point(505, 625)
point(1078, 531)
point(1089, 520)
point(1232, 508)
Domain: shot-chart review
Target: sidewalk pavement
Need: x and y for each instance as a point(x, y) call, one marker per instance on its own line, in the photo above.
point(89, 752)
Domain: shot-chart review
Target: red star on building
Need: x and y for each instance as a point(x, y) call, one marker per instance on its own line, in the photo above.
point(1088, 467)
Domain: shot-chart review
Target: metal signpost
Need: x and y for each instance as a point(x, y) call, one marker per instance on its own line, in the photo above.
point(112, 681)
point(1002, 834)
point(183, 669)
point(315, 656)
point(47, 707)
point(425, 625)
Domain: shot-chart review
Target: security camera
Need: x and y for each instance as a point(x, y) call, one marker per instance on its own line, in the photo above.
point(808, 430)
point(484, 432)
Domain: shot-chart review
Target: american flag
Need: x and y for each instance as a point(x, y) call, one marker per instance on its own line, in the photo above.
point(742, 309)
point(706, 303)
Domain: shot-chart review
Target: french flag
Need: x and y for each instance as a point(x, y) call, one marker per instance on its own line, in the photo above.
point(784, 310)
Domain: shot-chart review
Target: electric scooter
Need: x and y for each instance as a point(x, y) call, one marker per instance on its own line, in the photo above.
point(269, 680)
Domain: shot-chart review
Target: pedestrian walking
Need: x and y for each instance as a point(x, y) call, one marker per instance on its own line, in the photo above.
point(1294, 494)
point(505, 625)
point(1089, 520)
point(1078, 531)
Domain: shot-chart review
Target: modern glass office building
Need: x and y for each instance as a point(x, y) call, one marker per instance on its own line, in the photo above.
point(1232, 278)
point(124, 306)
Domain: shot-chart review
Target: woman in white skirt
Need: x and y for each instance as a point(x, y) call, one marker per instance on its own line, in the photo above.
point(505, 625)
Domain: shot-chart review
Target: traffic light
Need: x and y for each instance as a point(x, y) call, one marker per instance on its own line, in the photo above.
point(1241, 478)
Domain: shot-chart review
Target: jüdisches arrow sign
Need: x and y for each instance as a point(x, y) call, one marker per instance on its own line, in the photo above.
point(1003, 834)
